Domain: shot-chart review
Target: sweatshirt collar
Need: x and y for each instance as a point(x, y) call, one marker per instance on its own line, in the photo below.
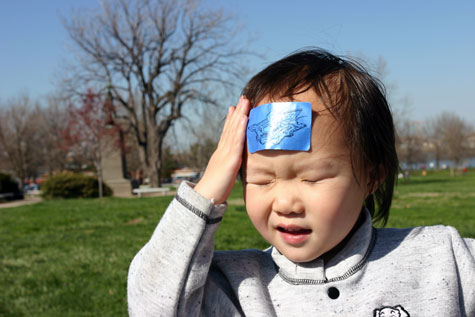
point(342, 265)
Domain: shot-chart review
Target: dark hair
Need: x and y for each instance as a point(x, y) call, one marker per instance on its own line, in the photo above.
point(355, 99)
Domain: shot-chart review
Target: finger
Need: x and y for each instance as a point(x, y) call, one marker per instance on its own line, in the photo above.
point(240, 104)
point(241, 120)
point(233, 130)
point(234, 118)
point(241, 135)
point(242, 110)
point(245, 106)
point(231, 110)
point(236, 140)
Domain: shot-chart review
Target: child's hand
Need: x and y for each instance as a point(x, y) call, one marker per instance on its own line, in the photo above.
point(223, 166)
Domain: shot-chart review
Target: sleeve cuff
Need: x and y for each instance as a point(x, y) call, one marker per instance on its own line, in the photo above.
point(199, 205)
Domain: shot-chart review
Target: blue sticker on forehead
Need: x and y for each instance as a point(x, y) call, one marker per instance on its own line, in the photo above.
point(280, 126)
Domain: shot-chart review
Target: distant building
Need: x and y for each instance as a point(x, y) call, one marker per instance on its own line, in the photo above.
point(185, 174)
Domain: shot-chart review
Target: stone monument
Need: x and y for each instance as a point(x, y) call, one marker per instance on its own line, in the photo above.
point(114, 168)
point(114, 171)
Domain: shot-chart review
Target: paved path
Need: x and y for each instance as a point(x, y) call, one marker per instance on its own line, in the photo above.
point(236, 202)
point(27, 201)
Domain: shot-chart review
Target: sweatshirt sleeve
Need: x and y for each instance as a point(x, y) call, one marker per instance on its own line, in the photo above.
point(471, 246)
point(464, 252)
point(168, 275)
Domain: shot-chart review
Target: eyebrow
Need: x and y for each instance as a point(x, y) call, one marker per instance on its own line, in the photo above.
point(258, 169)
point(324, 163)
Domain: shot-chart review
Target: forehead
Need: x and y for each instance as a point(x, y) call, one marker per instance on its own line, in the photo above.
point(326, 138)
point(322, 119)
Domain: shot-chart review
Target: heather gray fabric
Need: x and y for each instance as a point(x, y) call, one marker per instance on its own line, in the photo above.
point(424, 271)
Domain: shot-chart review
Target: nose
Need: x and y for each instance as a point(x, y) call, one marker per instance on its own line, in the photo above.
point(287, 200)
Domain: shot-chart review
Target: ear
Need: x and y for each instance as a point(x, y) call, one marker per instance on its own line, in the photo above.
point(402, 311)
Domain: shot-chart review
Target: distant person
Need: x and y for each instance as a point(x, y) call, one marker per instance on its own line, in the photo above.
point(135, 183)
point(313, 197)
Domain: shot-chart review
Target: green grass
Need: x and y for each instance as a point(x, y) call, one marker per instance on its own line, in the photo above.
point(70, 257)
point(435, 199)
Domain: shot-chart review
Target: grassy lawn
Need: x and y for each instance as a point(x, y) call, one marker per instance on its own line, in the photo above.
point(70, 257)
point(436, 199)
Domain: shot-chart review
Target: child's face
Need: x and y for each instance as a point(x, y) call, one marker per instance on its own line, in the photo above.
point(305, 203)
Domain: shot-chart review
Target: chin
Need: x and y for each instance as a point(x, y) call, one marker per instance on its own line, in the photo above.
point(297, 257)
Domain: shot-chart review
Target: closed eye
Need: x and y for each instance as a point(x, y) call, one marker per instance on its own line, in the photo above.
point(311, 181)
point(260, 183)
point(317, 179)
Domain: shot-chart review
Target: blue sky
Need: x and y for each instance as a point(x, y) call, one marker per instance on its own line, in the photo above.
point(429, 46)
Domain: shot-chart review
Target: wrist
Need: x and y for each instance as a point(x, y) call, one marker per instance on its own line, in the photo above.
point(204, 191)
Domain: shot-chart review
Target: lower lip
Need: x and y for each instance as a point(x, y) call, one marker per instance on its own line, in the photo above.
point(294, 239)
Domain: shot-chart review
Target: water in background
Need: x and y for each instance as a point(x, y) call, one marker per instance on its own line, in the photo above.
point(444, 164)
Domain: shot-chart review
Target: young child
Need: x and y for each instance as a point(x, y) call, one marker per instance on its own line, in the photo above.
point(314, 206)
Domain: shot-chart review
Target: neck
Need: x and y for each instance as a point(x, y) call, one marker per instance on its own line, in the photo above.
point(326, 257)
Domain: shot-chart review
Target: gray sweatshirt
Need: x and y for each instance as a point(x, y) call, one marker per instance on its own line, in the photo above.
point(424, 271)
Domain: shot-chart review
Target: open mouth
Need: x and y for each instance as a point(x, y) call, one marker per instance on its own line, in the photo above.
point(294, 230)
point(294, 235)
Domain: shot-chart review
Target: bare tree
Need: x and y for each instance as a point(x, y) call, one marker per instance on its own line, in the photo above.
point(19, 140)
point(434, 137)
point(158, 56)
point(409, 134)
point(410, 139)
point(454, 135)
point(54, 121)
point(203, 136)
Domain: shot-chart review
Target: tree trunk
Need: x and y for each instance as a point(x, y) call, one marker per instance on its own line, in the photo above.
point(437, 157)
point(160, 159)
point(99, 178)
point(152, 174)
point(149, 156)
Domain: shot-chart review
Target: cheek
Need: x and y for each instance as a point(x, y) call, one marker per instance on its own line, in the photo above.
point(340, 202)
point(257, 208)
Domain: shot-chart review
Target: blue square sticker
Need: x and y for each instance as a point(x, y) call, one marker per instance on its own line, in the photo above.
point(280, 126)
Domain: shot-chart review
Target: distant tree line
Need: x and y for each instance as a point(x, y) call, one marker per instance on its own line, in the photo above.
point(59, 134)
point(445, 137)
